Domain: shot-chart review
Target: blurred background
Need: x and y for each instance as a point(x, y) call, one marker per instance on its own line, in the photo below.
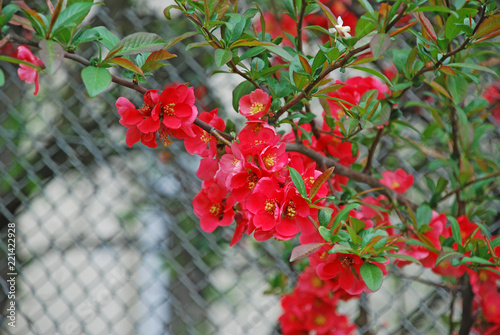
point(107, 242)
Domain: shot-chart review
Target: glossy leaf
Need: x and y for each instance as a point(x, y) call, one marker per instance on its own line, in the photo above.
point(372, 275)
point(298, 182)
point(72, 15)
point(137, 43)
point(127, 64)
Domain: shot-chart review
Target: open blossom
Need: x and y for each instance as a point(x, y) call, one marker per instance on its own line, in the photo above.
point(254, 105)
point(398, 180)
point(339, 27)
point(204, 144)
point(170, 113)
point(25, 72)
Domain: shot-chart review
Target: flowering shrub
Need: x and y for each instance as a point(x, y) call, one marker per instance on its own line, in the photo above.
point(302, 167)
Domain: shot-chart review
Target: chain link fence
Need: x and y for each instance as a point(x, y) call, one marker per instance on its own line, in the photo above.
point(107, 242)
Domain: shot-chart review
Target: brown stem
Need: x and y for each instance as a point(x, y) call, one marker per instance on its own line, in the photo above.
point(371, 152)
point(467, 301)
point(299, 25)
point(345, 171)
point(454, 51)
point(470, 182)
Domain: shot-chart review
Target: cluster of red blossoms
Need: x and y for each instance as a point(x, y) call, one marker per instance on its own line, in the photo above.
point(249, 182)
point(312, 308)
point(483, 282)
point(170, 113)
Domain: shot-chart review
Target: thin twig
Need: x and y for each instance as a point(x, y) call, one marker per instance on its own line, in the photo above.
point(371, 152)
point(470, 182)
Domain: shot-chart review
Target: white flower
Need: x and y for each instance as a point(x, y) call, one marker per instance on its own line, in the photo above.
point(339, 28)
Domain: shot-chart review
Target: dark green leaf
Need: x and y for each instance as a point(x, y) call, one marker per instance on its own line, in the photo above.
point(455, 230)
point(73, 15)
point(2, 78)
point(298, 182)
point(372, 275)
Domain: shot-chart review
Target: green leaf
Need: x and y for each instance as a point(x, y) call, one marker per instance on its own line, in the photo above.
point(474, 67)
point(455, 230)
point(475, 259)
point(325, 233)
point(436, 9)
point(268, 45)
point(404, 257)
point(379, 44)
point(324, 217)
point(423, 215)
point(242, 89)
point(2, 78)
point(96, 79)
point(222, 56)
point(73, 15)
point(448, 255)
point(107, 38)
point(137, 43)
point(7, 13)
point(52, 55)
point(372, 275)
point(305, 250)
point(373, 72)
point(457, 86)
point(341, 216)
point(364, 26)
point(298, 182)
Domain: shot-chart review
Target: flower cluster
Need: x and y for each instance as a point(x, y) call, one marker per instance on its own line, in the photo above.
point(170, 113)
point(312, 308)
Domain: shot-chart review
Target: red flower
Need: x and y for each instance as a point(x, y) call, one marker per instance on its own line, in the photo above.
point(398, 180)
point(264, 204)
point(492, 94)
point(204, 144)
point(177, 111)
point(141, 125)
point(273, 158)
point(25, 72)
point(254, 105)
point(212, 206)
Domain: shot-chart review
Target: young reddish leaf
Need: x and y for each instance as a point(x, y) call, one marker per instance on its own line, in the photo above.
point(55, 14)
point(329, 89)
point(160, 55)
point(305, 250)
point(440, 89)
point(403, 29)
point(127, 64)
point(447, 70)
point(426, 26)
point(329, 15)
point(489, 26)
point(320, 181)
point(305, 64)
point(177, 39)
